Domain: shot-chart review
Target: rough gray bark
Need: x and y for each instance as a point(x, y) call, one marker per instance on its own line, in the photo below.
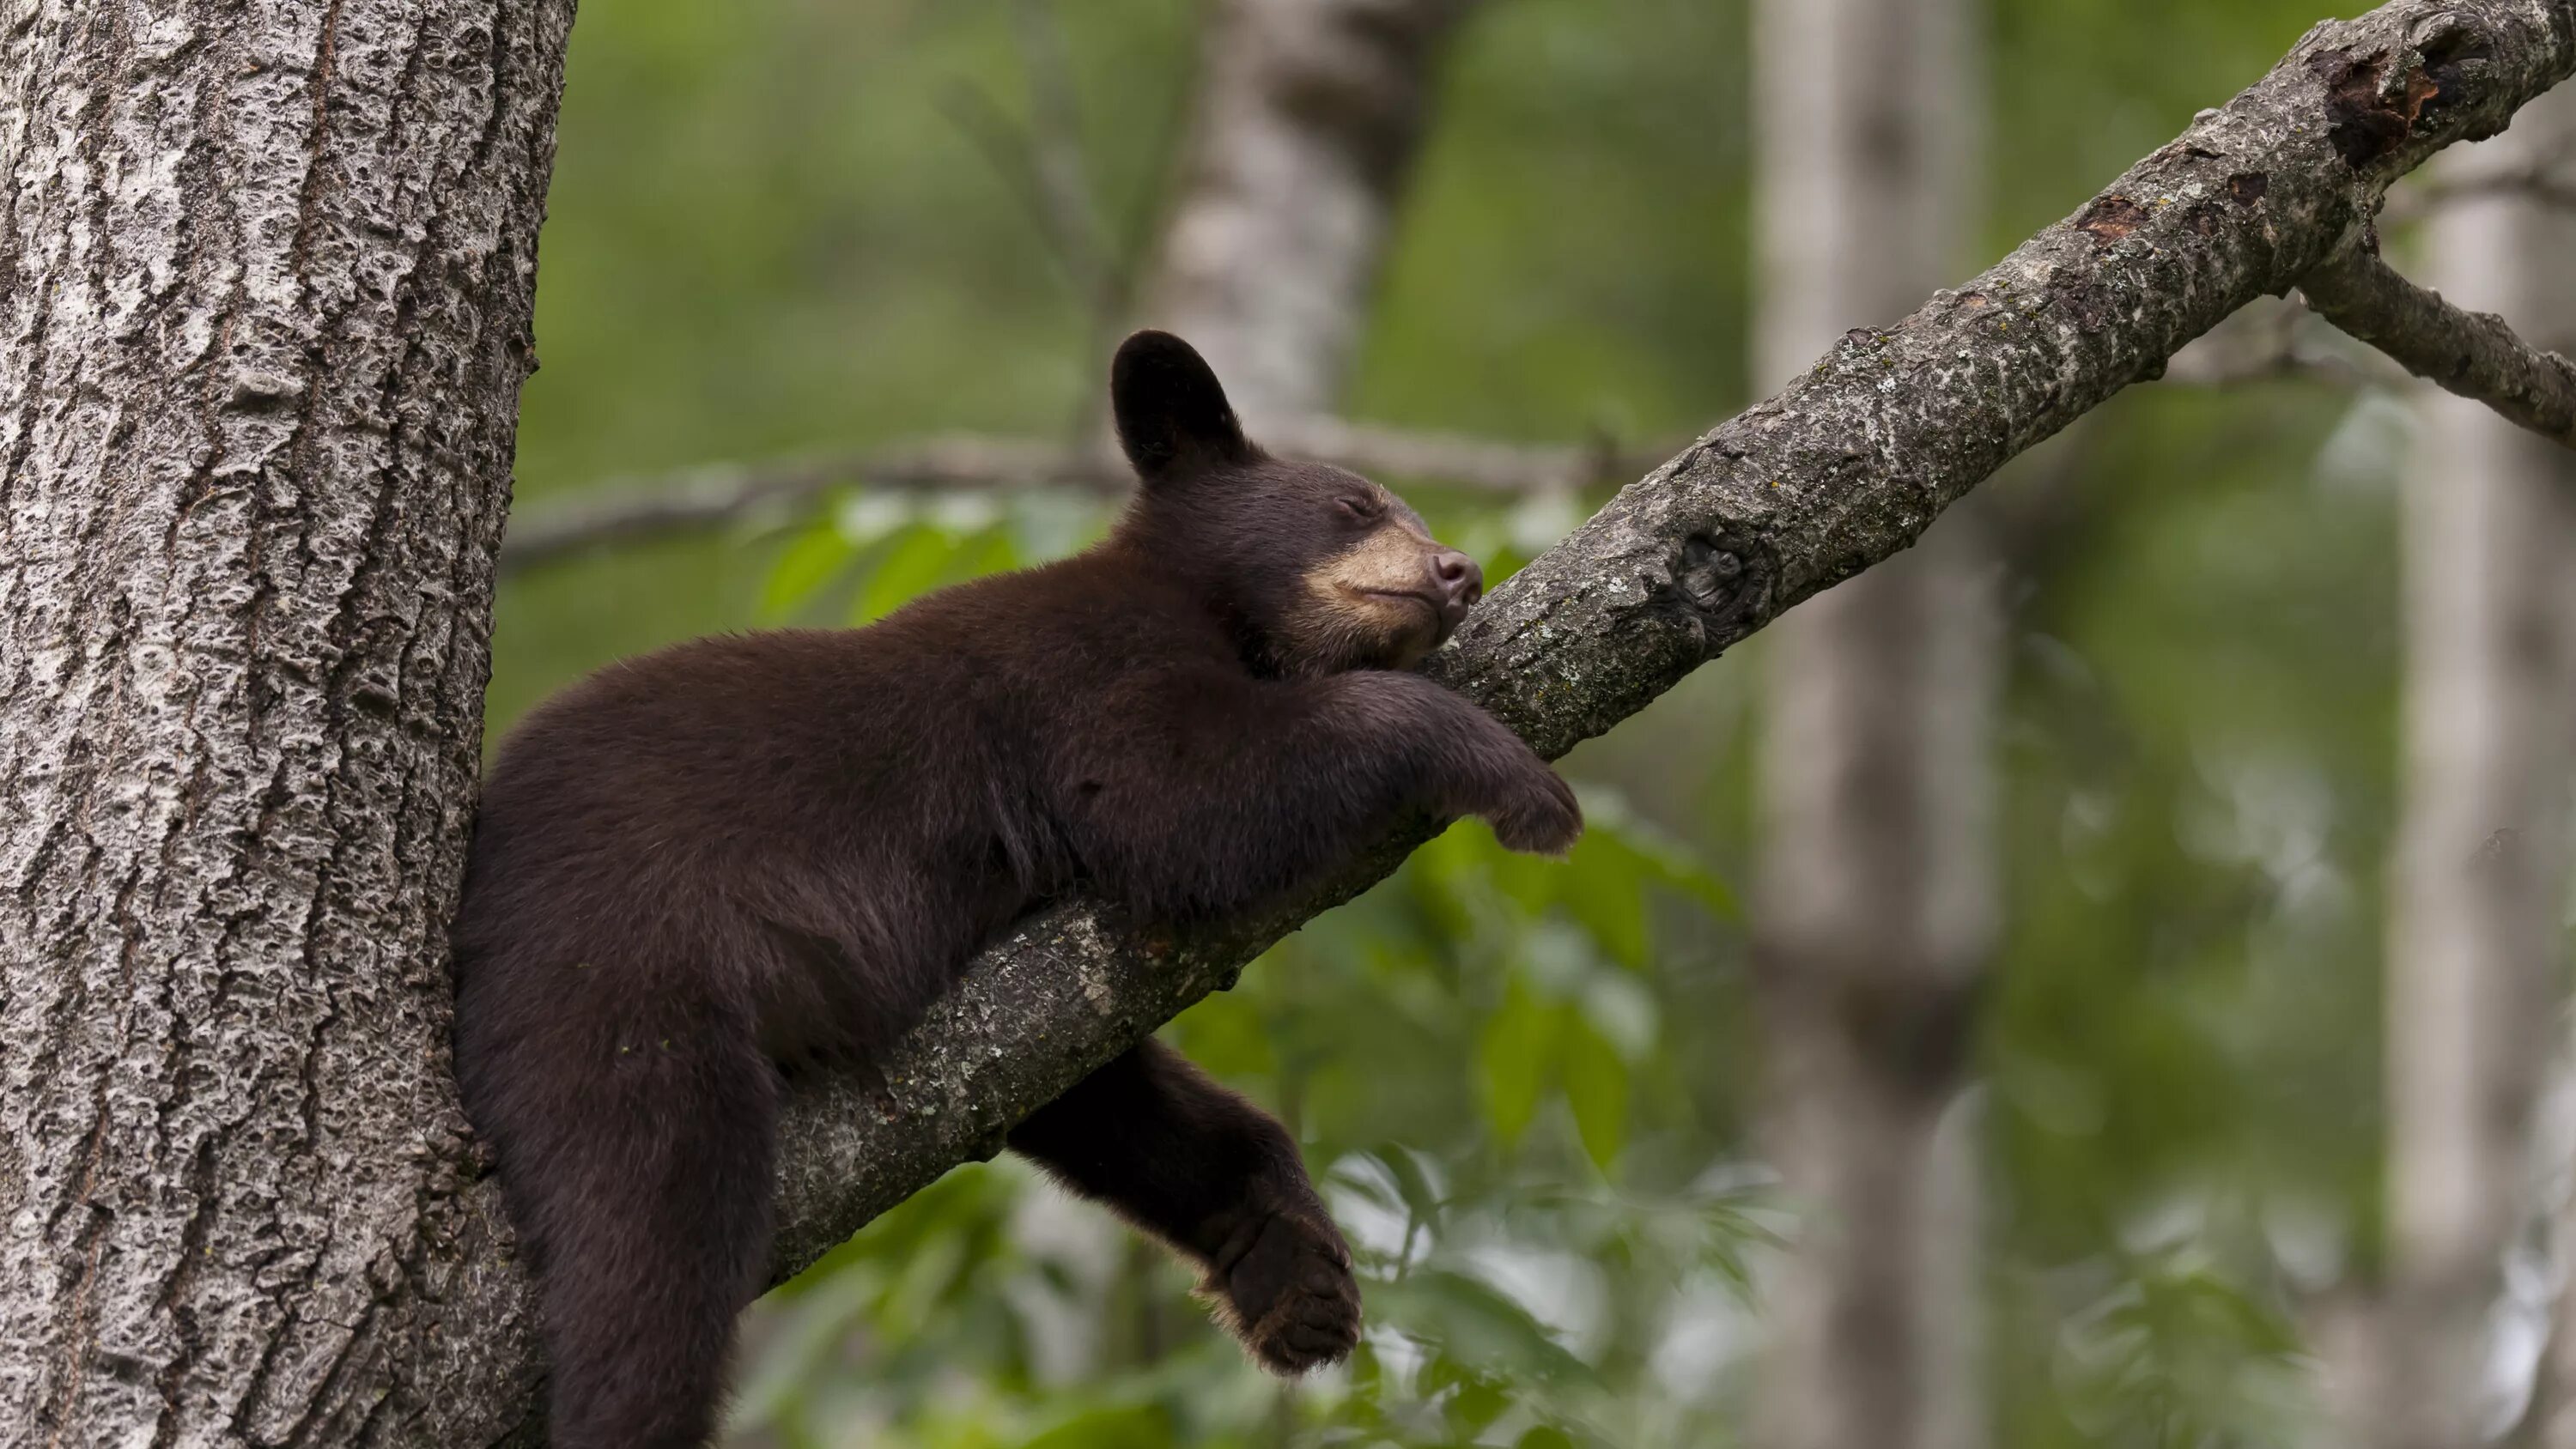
point(1875, 911)
point(1308, 116)
point(2477, 954)
point(265, 280)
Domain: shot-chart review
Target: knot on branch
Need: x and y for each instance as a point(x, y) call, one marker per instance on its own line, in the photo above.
point(1725, 587)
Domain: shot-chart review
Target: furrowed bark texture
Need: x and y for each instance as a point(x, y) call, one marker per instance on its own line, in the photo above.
point(1875, 909)
point(265, 280)
point(2477, 960)
point(1309, 115)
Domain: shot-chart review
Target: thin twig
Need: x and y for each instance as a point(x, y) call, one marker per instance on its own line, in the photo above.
point(634, 510)
point(2474, 354)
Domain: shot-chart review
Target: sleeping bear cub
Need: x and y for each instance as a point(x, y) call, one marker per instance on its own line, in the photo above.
point(695, 869)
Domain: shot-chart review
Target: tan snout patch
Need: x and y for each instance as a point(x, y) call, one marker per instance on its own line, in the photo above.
point(1375, 603)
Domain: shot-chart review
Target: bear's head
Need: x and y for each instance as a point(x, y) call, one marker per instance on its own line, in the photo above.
point(1316, 568)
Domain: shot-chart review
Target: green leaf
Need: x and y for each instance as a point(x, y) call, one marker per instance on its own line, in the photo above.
point(1605, 887)
point(1422, 1198)
point(1614, 829)
point(1478, 1402)
point(1596, 1087)
point(1132, 1426)
point(910, 567)
point(803, 568)
point(1472, 1322)
point(1514, 1059)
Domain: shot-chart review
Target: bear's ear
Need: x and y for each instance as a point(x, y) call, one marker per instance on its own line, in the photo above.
point(1171, 411)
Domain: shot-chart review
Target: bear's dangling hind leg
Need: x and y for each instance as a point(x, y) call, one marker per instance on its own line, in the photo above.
point(644, 1185)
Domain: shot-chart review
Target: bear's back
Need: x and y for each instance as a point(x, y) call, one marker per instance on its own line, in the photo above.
point(689, 804)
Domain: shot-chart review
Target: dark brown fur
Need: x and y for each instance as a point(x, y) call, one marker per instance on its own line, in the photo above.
point(746, 853)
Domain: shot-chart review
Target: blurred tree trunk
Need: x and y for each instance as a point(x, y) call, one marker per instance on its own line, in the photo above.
point(2477, 900)
point(1309, 114)
point(1875, 908)
point(1307, 118)
point(265, 280)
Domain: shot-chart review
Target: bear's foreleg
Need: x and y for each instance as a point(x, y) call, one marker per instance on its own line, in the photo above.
point(1198, 795)
point(1221, 1182)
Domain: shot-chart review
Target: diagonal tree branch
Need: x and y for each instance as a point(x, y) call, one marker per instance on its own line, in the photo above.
point(1843, 469)
point(2473, 354)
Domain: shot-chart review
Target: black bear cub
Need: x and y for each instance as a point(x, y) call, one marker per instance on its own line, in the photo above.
point(699, 868)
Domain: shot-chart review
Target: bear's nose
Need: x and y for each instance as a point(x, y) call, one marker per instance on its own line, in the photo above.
point(1460, 580)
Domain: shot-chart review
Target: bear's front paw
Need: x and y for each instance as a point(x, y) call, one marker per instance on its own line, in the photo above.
point(1283, 1285)
point(1539, 816)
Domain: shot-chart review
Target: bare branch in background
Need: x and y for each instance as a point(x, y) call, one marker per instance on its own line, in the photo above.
point(615, 512)
point(624, 512)
point(2546, 183)
point(2473, 354)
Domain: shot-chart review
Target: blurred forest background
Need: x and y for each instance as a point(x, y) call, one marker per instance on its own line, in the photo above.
point(1561, 1108)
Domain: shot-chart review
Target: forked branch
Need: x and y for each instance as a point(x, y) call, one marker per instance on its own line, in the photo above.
point(2474, 354)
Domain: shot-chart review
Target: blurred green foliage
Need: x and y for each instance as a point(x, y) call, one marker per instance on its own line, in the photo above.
point(1529, 1085)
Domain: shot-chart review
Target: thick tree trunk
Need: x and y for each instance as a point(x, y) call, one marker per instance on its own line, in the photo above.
point(265, 280)
point(1308, 117)
point(1875, 910)
point(2478, 894)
